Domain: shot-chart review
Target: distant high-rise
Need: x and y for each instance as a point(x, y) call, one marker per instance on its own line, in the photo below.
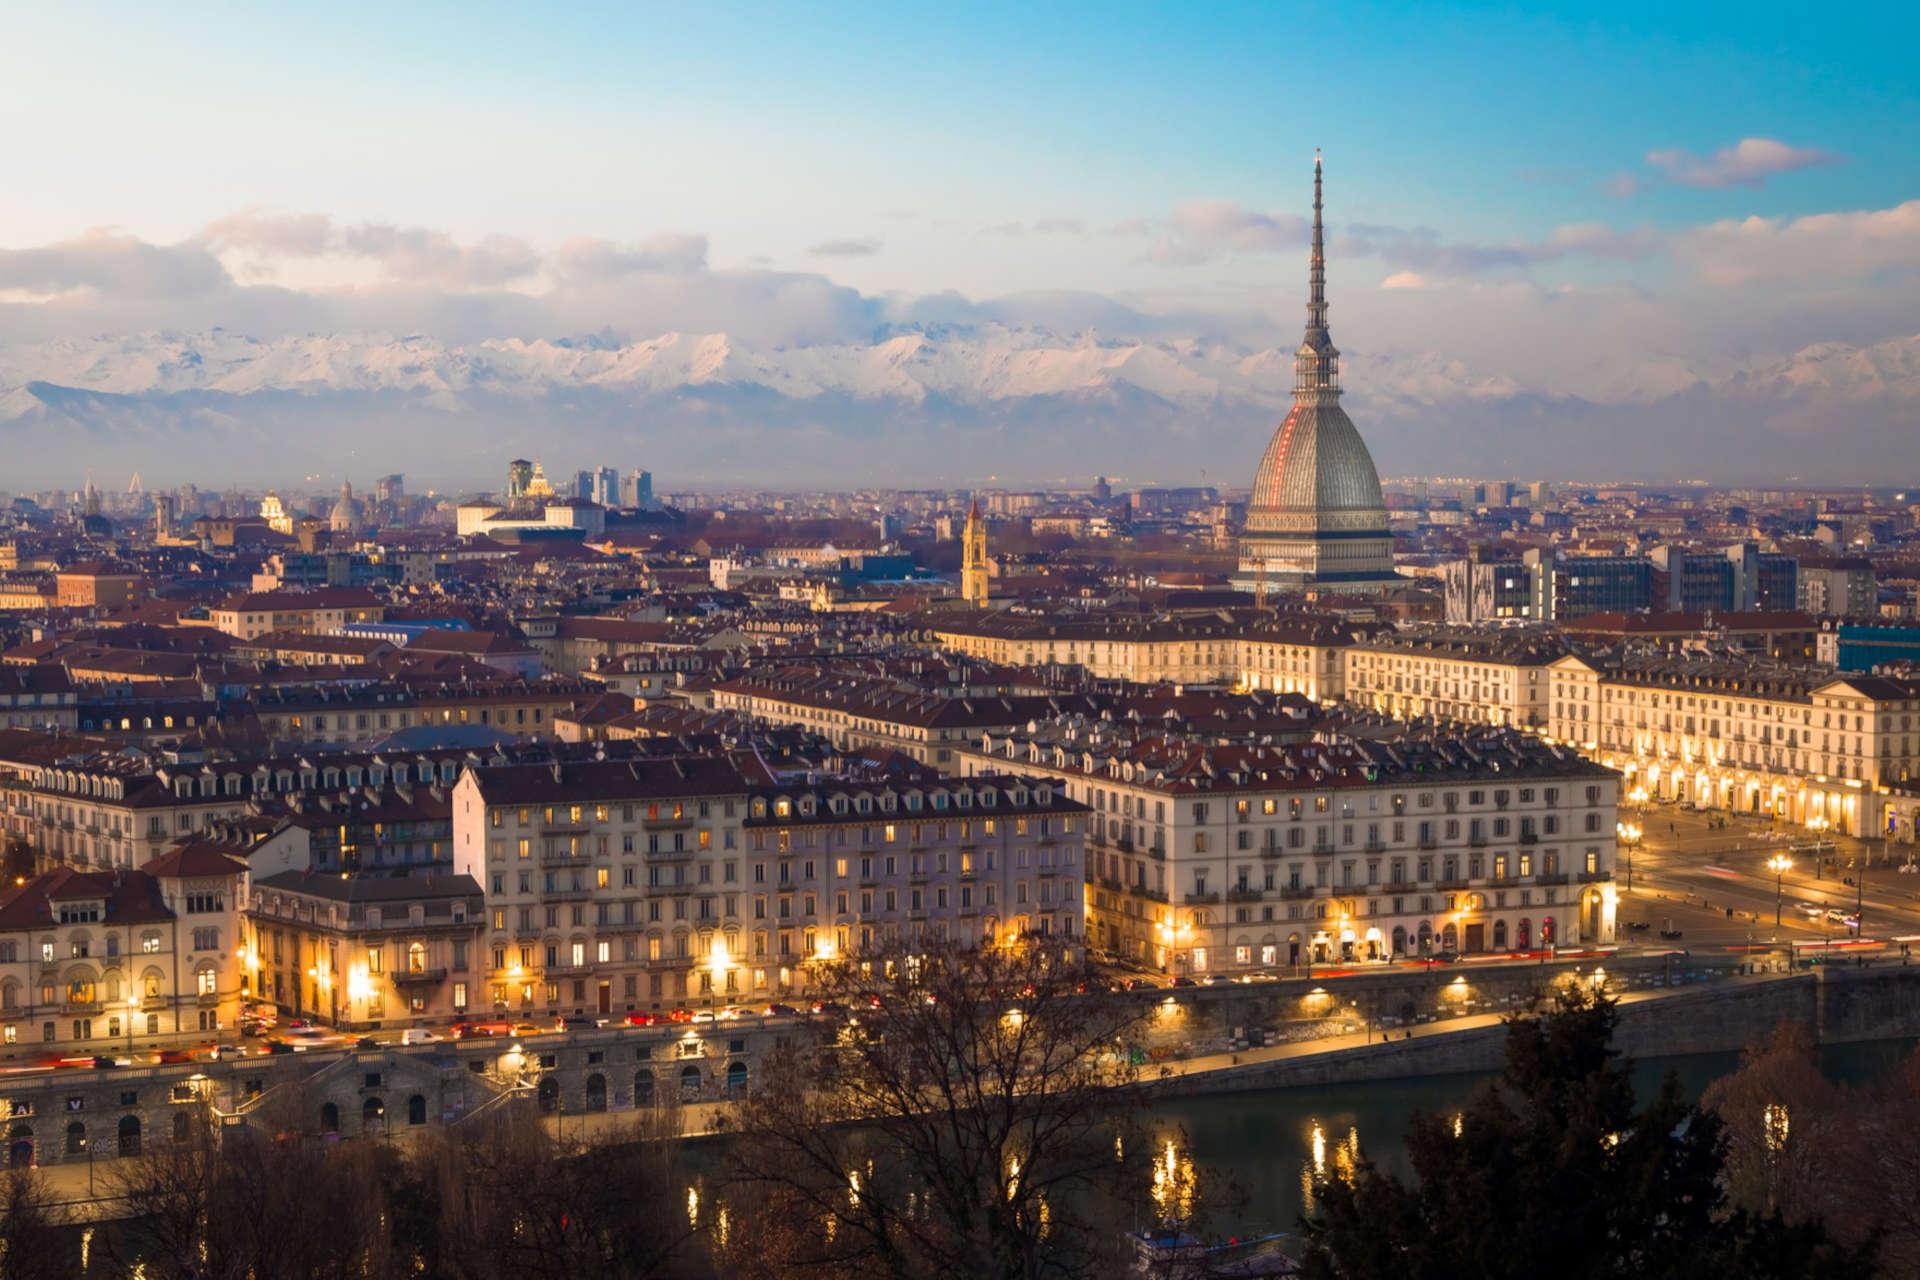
point(973, 558)
point(1317, 517)
point(162, 516)
point(606, 486)
point(636, 490)
point(390, 489)
point(1102, 489)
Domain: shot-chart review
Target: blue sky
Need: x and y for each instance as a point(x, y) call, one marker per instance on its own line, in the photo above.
point(1147, 153)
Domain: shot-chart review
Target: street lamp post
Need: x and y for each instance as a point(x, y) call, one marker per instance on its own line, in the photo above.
point(1779, 864)
point(1629, 833)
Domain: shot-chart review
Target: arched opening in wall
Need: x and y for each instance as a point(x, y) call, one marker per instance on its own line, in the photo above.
point(1293, 949)
point(1499, 935)
point(129, 1135)
point(182, 1126)
point(1426, 936)
point(643, 1088)
point(416, 1110)
point(329, 1117)
point(1523, 935)
point(736, 1079)
point(689, 1082)
point(20, 1146)
point(596, 1092)
point(1399, 940)
point(76, 1139)
point(1450, 939)
point(373, 1115)
point(1547, 931)
point(548, 1095)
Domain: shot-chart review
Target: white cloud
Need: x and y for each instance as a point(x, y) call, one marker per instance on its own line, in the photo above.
point(112, 263)
point(1201, 230)
point(852, 248)
point(587, 258)
point(1815, 249)
point(1406, 280)
point(1747, 163)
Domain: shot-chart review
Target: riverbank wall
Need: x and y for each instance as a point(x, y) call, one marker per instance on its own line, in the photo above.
point(1838, 1004)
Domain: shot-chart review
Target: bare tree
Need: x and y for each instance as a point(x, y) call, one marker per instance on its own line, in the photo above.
point(967, 1116)
point(32, 1245)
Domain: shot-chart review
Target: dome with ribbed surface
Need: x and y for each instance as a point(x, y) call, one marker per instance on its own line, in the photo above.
point(1316, 515)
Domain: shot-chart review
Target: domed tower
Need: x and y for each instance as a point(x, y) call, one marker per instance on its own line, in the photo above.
point(346, 512)
point(1316, 517)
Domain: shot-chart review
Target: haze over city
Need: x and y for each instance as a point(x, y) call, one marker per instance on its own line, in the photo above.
point(1582, 242)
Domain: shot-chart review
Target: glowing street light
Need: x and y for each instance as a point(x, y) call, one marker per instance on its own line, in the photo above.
point(1629, 834)
point(1779, 864)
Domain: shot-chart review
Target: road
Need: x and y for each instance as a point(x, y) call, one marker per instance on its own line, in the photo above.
point(1693, 868)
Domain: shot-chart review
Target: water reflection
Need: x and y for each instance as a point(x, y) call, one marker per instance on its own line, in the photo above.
point(1173, 1184)
point(1343, 1163)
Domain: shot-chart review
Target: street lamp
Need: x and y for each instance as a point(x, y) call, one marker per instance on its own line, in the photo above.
point(1629, 833)
point(1818, 825)
point(1779, 864)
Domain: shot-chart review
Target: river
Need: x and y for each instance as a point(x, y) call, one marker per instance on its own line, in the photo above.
point(1269, 1142)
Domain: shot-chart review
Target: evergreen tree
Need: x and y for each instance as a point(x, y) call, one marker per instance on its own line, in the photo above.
point(1551, 1171)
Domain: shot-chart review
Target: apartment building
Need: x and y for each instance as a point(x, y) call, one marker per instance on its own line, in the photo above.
point(863, 712)
point(1798, 742)
point(365, 952)
point(344, 714)
point(1281, 654)
point(114, 962)
point(252, 614)
point(648, 884)
point(1454, 674)
point(1216, 858)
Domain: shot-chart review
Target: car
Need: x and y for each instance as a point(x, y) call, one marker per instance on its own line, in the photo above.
point(829, 1008)
point(574, 1022)
point(781, 1011)
point(1183, 981)
point(731, 1013)
point(418, 1035)
point(679, 1015)
point(1213, 979)
point(641, 1019)
point(277, 1047)
point(1140, 984)
point(1836, 916)
point(171, 1057)
point(367, 1042)
point(483, 1028)
point(1638, 926)
point(704, 1015)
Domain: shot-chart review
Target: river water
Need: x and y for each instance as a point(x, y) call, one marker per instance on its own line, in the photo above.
point(1268, 1143)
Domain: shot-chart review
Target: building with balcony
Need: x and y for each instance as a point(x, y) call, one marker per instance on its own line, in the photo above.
point(1206, 857)
point(116, 962)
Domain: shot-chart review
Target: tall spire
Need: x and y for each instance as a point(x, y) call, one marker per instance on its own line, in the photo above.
point(1316, 366)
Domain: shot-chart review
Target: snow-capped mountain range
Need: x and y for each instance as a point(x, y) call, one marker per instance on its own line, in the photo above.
point(934, 404)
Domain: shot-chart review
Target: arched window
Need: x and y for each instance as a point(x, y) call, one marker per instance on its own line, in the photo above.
point(417, 957)
point(76, 1139)
point(129, 1135)
point(736, 1079)
point(329, 1118)
point(182, 1126)
point(373, 1114)
point(596, 1092)
point(548, 1094)
point(643, 1088)
point(416, 1110)
point(1499, 935)
point(689, 1081)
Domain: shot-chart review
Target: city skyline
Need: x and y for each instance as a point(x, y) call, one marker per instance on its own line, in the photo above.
point(1672, 234)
